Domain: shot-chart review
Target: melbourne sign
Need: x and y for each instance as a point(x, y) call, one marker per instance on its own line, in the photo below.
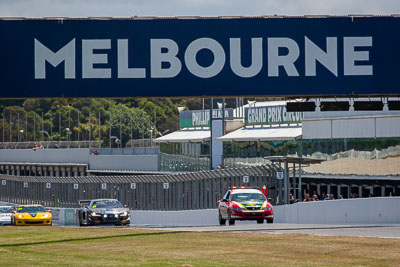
point(201, 118)
point(199, 57)
point(271, 115)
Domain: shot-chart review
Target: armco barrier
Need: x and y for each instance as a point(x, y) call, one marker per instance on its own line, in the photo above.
point(378, 210)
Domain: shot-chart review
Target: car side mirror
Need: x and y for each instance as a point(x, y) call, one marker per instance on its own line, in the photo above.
point(49, 211)
point(126, 206)
point(224, 200)
point(269, 199)
point(13, 211)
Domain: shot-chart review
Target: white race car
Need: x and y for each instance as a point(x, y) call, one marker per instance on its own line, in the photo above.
point(5, 214)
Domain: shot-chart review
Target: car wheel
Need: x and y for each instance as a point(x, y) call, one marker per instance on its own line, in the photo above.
point(231, 221)
point(221, 221)
point(81, 219)
point(270, 220)
point(260, 221)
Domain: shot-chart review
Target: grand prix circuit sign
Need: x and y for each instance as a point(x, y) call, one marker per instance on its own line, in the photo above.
point(200, 57)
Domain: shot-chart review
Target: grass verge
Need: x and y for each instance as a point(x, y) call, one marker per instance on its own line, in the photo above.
point(123, 246)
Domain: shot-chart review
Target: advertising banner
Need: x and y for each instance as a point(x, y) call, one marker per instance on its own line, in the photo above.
point(271, 115)
point(201, 118)
point(173, 57)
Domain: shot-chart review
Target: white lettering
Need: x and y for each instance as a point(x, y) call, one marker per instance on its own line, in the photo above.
point(157, 57)
point(89, 59)
point(313, 54)
point(236, 58)
point(198, 70)
point(123, 63)
point(43, 55)
point(351, 56)
point(286, 61)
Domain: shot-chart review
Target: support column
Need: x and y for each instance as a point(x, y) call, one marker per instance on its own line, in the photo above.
point(301, 197)
point(360, 191)
point(294, 181)
point(286, 181)
point(75, 171)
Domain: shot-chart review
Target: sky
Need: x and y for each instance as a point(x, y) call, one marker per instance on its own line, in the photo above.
point(128, 8)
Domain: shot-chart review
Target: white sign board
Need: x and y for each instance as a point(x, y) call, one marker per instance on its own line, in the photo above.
point(133, 186)
point(166, 185)
point(279, 175)
point(25, 184)
point(103, 186)
point(76, 186)
point(48, 185)
point(246, 179)
point(3, 182)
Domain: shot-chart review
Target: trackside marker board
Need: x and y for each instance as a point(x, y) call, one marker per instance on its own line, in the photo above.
point(160, 57)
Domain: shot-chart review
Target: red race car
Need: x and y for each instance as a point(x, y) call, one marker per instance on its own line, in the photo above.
point(244, 204)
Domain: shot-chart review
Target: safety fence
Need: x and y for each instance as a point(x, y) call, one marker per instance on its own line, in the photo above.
point(169, 162)
point(184, 191)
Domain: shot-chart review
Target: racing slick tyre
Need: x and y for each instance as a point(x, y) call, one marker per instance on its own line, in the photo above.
point(231, 221)
point(220, 220)
point(270, 220)
point(259, 221)
point(80, 219)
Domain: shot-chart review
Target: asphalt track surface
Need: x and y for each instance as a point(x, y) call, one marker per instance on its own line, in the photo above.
point(381, 231)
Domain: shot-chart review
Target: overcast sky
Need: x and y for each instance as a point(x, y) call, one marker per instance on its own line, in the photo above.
point(127, 8)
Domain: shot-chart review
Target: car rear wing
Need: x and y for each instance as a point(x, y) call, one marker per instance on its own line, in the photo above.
point(84, 203)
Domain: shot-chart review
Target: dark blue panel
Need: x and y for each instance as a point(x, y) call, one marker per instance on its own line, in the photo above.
point(17, 68)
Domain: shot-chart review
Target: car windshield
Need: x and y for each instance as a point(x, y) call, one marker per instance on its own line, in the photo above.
point(106, 204)
point(6, 209)
point(247, 196)
point(31, 209)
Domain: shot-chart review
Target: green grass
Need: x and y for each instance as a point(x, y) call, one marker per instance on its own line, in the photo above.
point(29, 246)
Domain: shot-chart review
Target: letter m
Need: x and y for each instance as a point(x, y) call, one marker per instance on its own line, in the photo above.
point(43, 55)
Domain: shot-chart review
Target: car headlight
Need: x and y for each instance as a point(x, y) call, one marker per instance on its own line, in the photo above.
point(238, 208)
point(46, 215)
point(116, 215)
point(20, 216)
point(105, 215)
point(124, 213)
point(267, 208)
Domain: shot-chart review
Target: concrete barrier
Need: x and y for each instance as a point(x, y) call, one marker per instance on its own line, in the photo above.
point(175, 218)
point(378, 210)
point(64, 217)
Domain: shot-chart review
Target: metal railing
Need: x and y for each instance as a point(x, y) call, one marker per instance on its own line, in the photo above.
point(51, 144)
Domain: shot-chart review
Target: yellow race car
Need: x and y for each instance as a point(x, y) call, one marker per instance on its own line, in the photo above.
point(31, 215)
